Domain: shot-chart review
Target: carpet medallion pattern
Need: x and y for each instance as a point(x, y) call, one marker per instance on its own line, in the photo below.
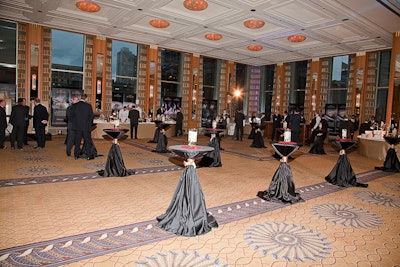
point(392, 185)
point(154, 162)
point(179, 259)
point(38, 170)
point(379, 198)
point(346, 215)
point(287, 241)
point(35, 158)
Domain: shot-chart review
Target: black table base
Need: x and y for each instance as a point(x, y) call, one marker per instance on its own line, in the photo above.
point(392, 163)
point(318, 147)
point(187, 214)
point(115, 166)
point(281, 188)
point(342, 174)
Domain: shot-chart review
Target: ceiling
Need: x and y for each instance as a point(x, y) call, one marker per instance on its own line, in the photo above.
point(332, 27)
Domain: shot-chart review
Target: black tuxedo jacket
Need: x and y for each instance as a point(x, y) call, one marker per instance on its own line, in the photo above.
point(19, 115)
point(81, 116)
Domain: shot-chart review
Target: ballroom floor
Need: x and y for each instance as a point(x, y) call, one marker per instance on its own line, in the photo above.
point(55, 210)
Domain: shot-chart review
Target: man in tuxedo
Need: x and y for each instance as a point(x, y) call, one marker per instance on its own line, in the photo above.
point(239, 121)
point(82, 121)
point(19, 115)
point(314, 127)
point(70, 132)
point(3, 123)
point(134, 115)
point(26, 121)
point(179, 122)
point(295, 120)
point(40, 120)
point(276, 124)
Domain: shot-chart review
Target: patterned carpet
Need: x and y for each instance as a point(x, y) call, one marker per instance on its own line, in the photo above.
point(78, 218)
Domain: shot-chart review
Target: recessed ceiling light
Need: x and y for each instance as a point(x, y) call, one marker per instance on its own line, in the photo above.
point(88, 6)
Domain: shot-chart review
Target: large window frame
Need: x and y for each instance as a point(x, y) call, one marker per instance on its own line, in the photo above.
point(382, 84)
point(171, 80)
point(125, 64)
point(339, 68)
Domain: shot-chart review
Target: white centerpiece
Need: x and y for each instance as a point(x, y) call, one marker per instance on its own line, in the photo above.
point(192, 137)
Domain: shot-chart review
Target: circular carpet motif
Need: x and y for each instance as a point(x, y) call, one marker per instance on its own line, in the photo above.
point(154, 162)
point(37, 170)
point(95, 165)
point(287, 241)
point(179, 259)
point(392, 185)
point(346, 215)
point(378, 198)
point(35, 158)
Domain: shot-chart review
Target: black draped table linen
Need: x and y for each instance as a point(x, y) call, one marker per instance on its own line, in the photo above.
point(282, 188)
point(318, 146)
point(391, 163)
point(157, 124)
point(258, 139)
point(187, 215)
point(254, 126)
point(115, 166)
point(342, 173)
point(212, 158)
point(162, 141)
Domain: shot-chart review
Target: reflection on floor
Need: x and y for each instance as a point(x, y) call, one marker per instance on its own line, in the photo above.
point(57, 211)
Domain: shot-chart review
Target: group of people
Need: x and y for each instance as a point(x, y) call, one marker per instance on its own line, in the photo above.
point(18, 123)
point(79, 118)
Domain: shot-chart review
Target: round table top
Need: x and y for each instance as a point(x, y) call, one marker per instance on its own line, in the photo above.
point(392, 140)
point(285, 149)
point(191, 152)
point(344, 143)
point(115, 133)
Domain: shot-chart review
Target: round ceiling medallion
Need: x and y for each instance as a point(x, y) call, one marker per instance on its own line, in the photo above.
point(254, 47)
point(159, 23)
point(88, 6)
point(254, 23)
point(297, 38)
point(195, 5)
point(213, 36)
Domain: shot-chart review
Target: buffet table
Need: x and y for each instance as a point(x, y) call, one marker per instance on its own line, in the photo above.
point(145, 131)
point(373, 148)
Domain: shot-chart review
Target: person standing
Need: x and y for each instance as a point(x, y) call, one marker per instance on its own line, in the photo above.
point(40, 119)
point(239, 121)
point(26, 121)
point(3, 123)
point(70, 132)
point(179, 122)
point(82, 121)
point(123, 115)
point(295, 120)
point(276, 124)
point(134, 115)
point(314, 127)
point(18, 117)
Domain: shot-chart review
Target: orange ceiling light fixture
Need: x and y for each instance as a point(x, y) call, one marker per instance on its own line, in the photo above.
point(195, 5)
point(296, 38)
point(254, 23)
point(254, 47)
point(213, 36)
point(159, 23)
point(88, 6)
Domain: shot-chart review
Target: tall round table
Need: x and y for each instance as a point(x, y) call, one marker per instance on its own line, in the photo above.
point(342, 173)
point(282, 188)
point(115, 165)
point(187, 215)
point(213, 158)
point(392, 163)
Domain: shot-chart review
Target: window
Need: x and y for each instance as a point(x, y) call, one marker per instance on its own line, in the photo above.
point(8, 33)
point(124, 74)
point(171, 69)
point(66, 72)
point(382, 84)
point(241, 78)
point(269, 88)
point(210, 91)
point(298, 85)
point(339, 76)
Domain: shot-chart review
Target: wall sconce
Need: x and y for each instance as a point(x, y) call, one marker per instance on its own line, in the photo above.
point(151, 91)
point(33, 81)
point(313, 102)
point(358, 100)
point(278, 101)
point(98, 87)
